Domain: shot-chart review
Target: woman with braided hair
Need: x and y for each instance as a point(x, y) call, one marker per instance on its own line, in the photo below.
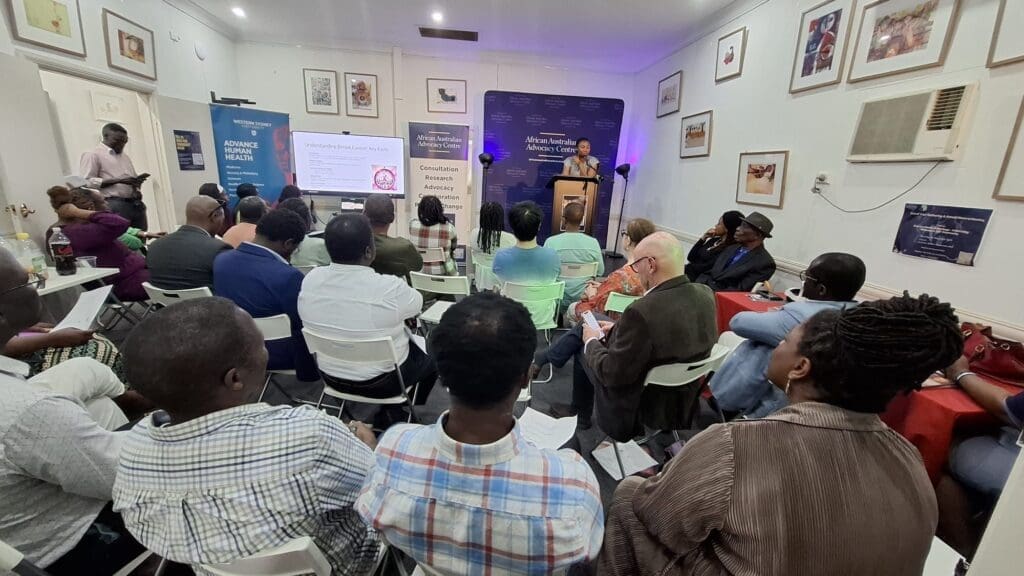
point(819, 487)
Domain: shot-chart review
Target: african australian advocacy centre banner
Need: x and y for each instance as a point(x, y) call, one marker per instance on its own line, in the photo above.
point(439, 166)
point(530, 135)
point(252, 146)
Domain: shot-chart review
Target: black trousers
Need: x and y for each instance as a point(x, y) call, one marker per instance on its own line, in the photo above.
point(131, 209)
point(104, 549)
point(418, 367)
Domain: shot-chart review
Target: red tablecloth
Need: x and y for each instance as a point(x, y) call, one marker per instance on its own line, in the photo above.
point(730, 304)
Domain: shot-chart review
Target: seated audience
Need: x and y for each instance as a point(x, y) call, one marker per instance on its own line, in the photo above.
point(216, 191)
point(471, 481)
point(84, 217)
point(57, 465)
point(705, 251)
point(184, 258)
point(259, 279)
point(288, 191)
point(249, 211)
point(820, 487)
point(624, 280)
point(575, 247)
point(312, 251)
point(246, 190)
point(741, 384)
point(42, 347)
point(742, 265)
point(486, 241)
point(527, 262)
point(394, 256)
point(433, 230)
point(226, 478)
point(370, 305)
point(674, 322)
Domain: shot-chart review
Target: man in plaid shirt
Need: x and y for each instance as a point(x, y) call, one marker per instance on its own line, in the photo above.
point(468, 494)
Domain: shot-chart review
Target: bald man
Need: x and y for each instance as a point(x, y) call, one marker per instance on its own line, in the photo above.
point(184, 259)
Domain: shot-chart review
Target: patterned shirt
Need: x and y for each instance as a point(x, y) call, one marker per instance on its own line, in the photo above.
point(242, 480)
point(436, 236)
point(501, 508)
point(623, 281)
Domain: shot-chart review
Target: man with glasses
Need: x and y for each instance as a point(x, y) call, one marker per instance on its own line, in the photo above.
point(740, 385)
point(110, 170)
point(184, 259)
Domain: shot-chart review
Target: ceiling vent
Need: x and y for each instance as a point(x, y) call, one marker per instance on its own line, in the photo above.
point(445, 34)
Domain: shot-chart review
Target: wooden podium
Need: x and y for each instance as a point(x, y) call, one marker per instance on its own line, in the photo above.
point(573, 189)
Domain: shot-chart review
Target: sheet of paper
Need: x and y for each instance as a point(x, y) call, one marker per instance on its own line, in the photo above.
point(634, 459)
point(418, 340)
point(543, 431)
point(88, 307)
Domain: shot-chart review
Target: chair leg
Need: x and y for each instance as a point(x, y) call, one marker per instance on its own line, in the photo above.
point(265, 385)
point(320, 402)
point(412, 402)
point(551, 375)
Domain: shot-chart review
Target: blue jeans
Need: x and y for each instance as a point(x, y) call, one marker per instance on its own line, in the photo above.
point(983, 463)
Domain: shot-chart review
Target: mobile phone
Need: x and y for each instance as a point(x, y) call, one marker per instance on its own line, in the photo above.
point(588, 317)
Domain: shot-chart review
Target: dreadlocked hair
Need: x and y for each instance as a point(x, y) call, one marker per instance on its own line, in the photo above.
point(863, 356)
point(492, 222)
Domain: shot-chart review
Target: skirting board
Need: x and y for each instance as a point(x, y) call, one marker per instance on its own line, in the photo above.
point(872, 291)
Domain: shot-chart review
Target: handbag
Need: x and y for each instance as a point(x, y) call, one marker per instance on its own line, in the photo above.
point(995, 357)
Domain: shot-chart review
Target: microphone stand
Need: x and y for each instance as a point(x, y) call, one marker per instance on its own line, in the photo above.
point(622, 206)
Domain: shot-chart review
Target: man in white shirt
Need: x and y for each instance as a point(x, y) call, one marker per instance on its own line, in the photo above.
point(110, 170)
point(348, 299)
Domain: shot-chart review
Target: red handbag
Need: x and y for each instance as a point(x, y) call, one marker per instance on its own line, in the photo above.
point(994, 357)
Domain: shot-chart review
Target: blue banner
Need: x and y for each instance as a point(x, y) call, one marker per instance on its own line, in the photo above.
point(530, 135)
point(943, 233)
point(252, 146)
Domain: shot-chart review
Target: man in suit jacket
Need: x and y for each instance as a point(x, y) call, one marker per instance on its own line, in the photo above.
point(743, 265)
point(259, 279)
point(673, 322)
point(184, 259)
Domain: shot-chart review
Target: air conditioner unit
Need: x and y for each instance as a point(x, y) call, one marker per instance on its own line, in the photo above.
point(921, 127)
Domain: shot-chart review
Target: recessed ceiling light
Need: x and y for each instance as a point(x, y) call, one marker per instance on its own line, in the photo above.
point(237, 11)
point(437, 17)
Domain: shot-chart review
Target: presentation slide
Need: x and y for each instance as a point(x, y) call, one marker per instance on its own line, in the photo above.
point(349, 164)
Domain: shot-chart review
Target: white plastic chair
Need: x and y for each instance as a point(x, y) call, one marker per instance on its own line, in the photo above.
point(165, 297)
point(542, 301)
point(274, 328)
point(298, 557)
point(433, 255)
point(454, 285)
point(730, 340)
point(618, 302)
point(585, 270)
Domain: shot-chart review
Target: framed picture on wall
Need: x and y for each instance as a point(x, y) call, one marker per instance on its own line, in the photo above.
point(321, 91)
point(361, 91)
point(761, 179)
point(1007, 41)
point(821, 45)
point(731, 50)
point(130, 47)
point(695, 139)
point(1010, 183)
point(446, 95)
point(898, 36)
point(53, 24)
point(670, 91)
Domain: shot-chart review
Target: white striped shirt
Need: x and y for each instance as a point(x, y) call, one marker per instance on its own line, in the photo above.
point(243, 480)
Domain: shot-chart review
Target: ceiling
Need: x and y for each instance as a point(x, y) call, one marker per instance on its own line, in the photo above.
point(609, 35)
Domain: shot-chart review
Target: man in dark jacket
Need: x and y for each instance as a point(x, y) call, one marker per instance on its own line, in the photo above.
point(741, 266)
point(184, 259)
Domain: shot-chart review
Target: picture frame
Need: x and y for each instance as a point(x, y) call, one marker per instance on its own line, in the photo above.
point(446, 95)
point(51, 24)
point(820, 53)
point(361, 95)
point(130, 46)
point(729, 58)
point(759, 181)
point(1007, 42)
point(670, 93)
point(321, 88)
point(899, 36)
point(1011, 170)
point(695, 135)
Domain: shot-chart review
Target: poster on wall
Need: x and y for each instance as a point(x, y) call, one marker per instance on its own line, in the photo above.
point(439, 166)
point(944, 233)
point(530, 135)
point(252, 146)
point(190, 150)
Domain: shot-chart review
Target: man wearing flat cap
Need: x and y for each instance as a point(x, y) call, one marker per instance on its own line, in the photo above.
point(744, 264)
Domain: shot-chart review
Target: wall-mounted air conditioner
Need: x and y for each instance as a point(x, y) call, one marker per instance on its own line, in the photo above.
point(926, 126)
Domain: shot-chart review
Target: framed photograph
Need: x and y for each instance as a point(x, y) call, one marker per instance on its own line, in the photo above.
point(446, 95)
point(130, 47)
point(361, 95)
point(321, 91)
point(821, 45)
point(1007, 41)
point(695, 140)
point(731, 49)
point(53, 24)
point(1010, 183)
point(670, 91)
point(761, 180)
point(897, 36)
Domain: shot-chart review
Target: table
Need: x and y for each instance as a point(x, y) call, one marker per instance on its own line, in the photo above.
point(56, 283)
point(729, 304)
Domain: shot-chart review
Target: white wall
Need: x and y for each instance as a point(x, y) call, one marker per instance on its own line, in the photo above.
point(756, 112)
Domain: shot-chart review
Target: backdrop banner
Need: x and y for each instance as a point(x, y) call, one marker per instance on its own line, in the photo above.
point(252, 146)
point(530, 135)
point(439, 166)
point(944, 233)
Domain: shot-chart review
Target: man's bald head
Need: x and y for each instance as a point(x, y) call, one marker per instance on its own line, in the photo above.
point(204, 212)
point(573, 214)
point(667, 255)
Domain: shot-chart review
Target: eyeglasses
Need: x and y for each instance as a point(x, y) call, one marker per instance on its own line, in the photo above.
point(36, 281)
point(804, 276)
point(633, 265)
point(221, 205)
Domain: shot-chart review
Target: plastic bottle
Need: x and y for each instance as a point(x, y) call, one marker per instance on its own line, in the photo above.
point(31, 257)
point(5, 245)
point(63, 254)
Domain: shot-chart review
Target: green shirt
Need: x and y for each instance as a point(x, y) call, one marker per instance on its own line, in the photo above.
point(311, 252)
point(576, 248)
point(396, 256)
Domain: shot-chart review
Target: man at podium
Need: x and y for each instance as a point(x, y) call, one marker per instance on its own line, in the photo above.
point(582, 164)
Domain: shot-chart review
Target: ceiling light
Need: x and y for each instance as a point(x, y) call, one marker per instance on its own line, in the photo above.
point(237, 11)
point(437, 17)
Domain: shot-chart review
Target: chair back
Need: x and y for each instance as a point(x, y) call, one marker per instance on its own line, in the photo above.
point(300, 556)
point(540, 299)
point(369, 351)
point(683, 373)
point(618, 302)
point(274, 327)
point(585, 270)
point(167, 297)
point(483, 275)
point(730, 340)
point(457, 285)
point(305, 269)
point(433, 255)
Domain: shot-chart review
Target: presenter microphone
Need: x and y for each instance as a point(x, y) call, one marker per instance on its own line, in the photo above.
point(582, 164)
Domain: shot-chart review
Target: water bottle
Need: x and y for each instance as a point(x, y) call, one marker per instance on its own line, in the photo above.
point(31, 256)
point(63, 254)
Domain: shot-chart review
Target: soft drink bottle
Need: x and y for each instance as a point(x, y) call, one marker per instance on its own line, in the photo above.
point(63, 254)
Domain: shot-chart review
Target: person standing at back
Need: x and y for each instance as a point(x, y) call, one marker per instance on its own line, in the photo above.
point(111, 171)
point(575, 247)
point(486, 240)
point(394, 256)
point(184, 258)
point(433, 230)
point(250, 209)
